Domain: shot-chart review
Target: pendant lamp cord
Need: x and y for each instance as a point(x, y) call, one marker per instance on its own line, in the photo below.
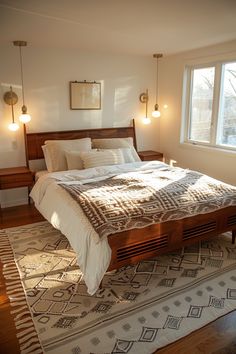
point(12, 109)
point(157, 82)
point(22, 77)
point(146, 102)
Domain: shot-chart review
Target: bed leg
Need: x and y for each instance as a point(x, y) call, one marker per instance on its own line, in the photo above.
point(233, 236)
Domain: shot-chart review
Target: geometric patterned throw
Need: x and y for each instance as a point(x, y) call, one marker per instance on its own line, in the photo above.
point(138, 309)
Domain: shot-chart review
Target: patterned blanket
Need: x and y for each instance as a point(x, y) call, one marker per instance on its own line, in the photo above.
point(138, 199)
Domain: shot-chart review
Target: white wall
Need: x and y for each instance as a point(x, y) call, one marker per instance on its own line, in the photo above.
point(218, 164)
point(47, 72)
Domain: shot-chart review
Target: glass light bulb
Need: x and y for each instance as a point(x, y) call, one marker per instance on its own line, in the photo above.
point(146, 120)
point(24, 118)
point(13, 127)
point(156, 114)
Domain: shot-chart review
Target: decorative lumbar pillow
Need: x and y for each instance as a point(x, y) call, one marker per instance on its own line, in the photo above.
point(74, 161)
point(95, 158)
point(54, 152)
point(116, 143)
point(127, 154)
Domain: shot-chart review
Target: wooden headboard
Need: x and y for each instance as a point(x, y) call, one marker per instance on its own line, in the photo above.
point(34, 141)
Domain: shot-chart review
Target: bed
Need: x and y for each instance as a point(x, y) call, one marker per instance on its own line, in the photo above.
point(124, 247)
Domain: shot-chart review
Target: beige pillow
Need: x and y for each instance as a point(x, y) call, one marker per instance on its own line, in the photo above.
point(102, 157)
point(127, 154)
point(74, 161)
point(54, 152)
point(116, 143)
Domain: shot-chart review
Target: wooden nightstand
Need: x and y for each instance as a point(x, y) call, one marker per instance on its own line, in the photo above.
point(15, 177)
point(150, 155)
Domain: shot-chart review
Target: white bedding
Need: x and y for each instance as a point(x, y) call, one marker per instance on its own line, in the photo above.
point(39, 174)
point(64, 213)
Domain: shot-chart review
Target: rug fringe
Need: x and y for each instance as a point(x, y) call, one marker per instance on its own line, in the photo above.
point(16, 292)
point(33, 340)
point(17, 303)
point(16, 298)
point(6, 258)
point(26, 337)
point(34, 349)
point(9, 274)
point(9, 271)
point(15, 286)
point(19, 310)
point(22, 314)
point(26, 333)
point(13, 283)
point(24, 325)
point(25, 320)
point(5, 253)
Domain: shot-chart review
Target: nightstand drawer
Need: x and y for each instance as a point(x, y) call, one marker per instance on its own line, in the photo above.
point(16, 181)
point(150, 155)
point(15, 178)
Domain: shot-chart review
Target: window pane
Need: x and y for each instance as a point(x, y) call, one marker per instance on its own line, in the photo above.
point(201, 104)
point(227, 113)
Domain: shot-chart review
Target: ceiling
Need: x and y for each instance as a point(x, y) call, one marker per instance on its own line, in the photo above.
point(135, 27)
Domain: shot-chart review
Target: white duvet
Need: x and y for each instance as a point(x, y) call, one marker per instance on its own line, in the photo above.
point(65, 214)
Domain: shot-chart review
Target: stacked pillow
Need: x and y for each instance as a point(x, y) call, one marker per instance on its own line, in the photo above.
point(54, 152)
point(116, 143)
point(95, 158)
point(61, 155)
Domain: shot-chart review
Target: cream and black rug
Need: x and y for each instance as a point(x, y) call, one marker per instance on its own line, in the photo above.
point(138, 310)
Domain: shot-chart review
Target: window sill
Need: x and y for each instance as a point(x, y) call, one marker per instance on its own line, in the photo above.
point(210, 149)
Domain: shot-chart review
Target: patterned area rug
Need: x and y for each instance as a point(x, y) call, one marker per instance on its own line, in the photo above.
point(139, 308)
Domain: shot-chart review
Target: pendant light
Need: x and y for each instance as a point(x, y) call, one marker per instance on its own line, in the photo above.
point(24, 117)
point(11, 98)
point(156, 113)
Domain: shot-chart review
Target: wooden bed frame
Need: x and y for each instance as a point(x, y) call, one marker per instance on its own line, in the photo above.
point(131, 246)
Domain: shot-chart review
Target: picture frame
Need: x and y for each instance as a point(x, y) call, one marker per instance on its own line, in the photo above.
point(85, 95)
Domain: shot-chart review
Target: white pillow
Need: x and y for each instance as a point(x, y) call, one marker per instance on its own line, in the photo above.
point(95, 158)
point(116, 143)
point(54, 152)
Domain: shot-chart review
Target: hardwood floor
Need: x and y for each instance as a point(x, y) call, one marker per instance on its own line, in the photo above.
point(19, 215)
point(10, 217)
point(219, 337)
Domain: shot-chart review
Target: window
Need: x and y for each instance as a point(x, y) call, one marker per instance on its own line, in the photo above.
point(210, 112)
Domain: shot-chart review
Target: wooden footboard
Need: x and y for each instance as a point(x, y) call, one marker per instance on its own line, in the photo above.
point(132, 246)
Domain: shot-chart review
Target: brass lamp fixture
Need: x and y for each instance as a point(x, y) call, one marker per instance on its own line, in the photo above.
point(144, 99)
point(11, 98)
point(24, 117)
point(156, 113)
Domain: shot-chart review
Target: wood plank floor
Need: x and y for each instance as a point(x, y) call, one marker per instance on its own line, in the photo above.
point(219, 337)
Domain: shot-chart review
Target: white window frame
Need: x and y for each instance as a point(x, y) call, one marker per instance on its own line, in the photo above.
point(216, 104)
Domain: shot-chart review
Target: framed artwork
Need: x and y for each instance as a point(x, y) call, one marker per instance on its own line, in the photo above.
point(85, 95)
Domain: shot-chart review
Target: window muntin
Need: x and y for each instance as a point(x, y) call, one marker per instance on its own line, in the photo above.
point(211, 105)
